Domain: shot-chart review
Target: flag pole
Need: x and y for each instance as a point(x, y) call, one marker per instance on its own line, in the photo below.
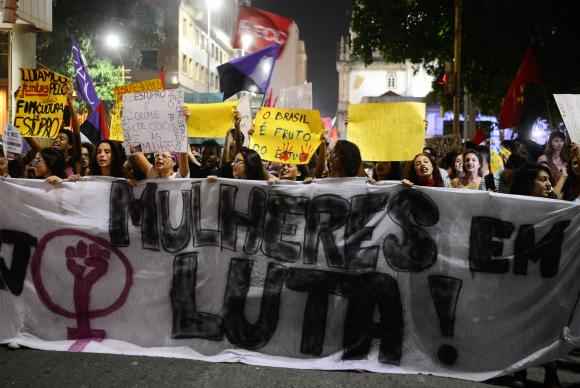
point(457, 69)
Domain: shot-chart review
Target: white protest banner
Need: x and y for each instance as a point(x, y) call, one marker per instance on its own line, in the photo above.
point(331, 275)
point(569, 106)
point(12, 141)
point(154, 121)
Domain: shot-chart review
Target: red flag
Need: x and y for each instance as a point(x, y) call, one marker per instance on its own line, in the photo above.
point(511, 108)
point(104, 127)
point(258, 29)
point(162, 76)
point(478, 136)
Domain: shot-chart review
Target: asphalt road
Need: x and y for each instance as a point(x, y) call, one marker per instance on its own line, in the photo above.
point(31, 368)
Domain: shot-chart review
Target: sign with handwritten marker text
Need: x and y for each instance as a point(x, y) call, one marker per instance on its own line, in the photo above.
point(210, 120)
point(286, 135)
point(154, 121)
point(40, 102)
point(151, 85)
point(387, 131)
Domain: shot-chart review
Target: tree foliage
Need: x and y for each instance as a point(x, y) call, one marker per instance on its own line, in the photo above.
point(87, 22)
point(496, 34)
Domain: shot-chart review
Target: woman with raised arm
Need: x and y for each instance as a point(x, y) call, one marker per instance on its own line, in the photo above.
point(68, 142)
point(163, 165)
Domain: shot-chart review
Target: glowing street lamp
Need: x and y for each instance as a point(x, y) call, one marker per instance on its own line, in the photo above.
point(113, 41)
point(211, 6)
point(247, 41)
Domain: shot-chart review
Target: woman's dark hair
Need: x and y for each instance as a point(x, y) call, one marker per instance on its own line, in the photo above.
point(350, 158)
point(55, 162)
point(253, 164)
point(549, 152)
point(413, 177)
point(396, 173)
point(91, 148)
point(117, 159)
point(448, 163)
point(524, 177)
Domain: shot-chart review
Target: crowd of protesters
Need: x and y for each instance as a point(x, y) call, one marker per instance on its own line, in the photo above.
point(555, 173)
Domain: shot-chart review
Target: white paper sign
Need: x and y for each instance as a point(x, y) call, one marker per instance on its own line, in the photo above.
point(245, 113)
point(330, 275)
point(12, 141)
point(154, 121)
point(569, 106)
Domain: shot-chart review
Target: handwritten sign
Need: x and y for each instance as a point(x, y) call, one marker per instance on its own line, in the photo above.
point(387, 131)
point(152, 85)
point(286, 135)
point(154, 121)
point(210, 120)
point(40, 102)
point(569, 106)
point(12, 142)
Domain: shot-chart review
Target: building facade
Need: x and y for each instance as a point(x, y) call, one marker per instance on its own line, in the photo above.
point(19, 22)
point(360, 83)
point(186, 46)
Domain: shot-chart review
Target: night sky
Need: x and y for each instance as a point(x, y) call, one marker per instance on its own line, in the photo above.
point(321, 23)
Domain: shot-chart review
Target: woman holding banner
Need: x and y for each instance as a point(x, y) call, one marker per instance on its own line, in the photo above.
point(344, 160)
point(108, 159)
point(48, 164)
point(248, 165)
point(424, 172)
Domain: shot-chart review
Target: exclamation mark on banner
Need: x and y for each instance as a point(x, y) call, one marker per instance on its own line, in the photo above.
point(445, 293)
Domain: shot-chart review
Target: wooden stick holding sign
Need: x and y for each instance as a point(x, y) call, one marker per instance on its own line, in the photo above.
point(286, 135)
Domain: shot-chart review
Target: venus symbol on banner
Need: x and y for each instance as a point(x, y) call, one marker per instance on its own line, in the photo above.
point(89, 260)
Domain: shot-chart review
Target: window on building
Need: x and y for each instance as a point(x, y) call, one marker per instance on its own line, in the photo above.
point(184, 63)
point(190, 68)
point(184, 27)
point(190, 30)
point(149, 59)
point(391, 81)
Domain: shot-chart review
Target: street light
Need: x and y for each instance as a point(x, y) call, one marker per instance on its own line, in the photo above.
point(247, 41)
point(211, 5)
point(113, 42)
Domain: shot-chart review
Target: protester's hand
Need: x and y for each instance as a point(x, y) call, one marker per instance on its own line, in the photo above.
point(272, 180)
point(185, 111)
point(212, 179)
point(74, 178)
point(53, 180)
point(371, 181)
point(564, 171)
point(308, 180)
point(407, 183)
point(132, 182)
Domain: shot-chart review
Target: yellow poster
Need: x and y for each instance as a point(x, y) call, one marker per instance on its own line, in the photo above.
point(387, 131)
point(287, 135)
point(40, 102)
point(151, 85)
point(210, 120)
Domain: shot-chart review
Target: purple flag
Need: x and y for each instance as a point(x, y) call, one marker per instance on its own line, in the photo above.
point(254, 70)
point(84, 84)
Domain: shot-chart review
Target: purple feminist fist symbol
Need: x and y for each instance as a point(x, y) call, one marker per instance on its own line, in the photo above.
point(95, 260)
point(88, 263)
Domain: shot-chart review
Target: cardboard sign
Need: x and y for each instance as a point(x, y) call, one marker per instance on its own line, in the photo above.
point(152, 85)
point(569, 106)
point(387, 131)
point(336, 274)
point(286, 135)
point(154, 121)
point(210, 120)
point(40, 102)
point(12, 142)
